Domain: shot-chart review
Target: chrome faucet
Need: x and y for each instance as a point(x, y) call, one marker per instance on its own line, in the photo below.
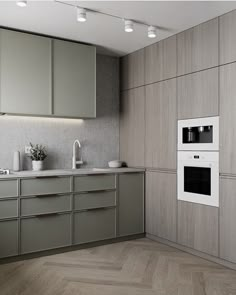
point(74, 161)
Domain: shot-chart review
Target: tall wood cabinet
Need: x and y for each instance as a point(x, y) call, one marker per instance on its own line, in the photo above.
point(198, 94)
point(132, 70)
point(132, 127)
point(160, 116)
point(160, 60)
point(228, 219)
point(25, 66)
point(198, 227)
point(161, 204)
point(197, 48)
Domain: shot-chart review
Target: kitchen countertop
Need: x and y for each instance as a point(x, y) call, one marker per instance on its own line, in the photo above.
point(69, 172)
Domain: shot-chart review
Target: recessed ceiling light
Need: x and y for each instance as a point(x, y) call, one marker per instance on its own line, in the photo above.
point(152, 32)
point(21, 3)
point(81, 15)
point(129, 26)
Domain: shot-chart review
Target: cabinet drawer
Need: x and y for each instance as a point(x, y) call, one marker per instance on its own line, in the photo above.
point(9, 238)
point(94, 200)
point(40, 186)
point(8, 208)
point(94, 225)
point(8, 188)
point(45, 204)
point(94, 182)
point(45, 232)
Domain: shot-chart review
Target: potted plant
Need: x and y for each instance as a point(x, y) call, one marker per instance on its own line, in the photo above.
point(38, 155)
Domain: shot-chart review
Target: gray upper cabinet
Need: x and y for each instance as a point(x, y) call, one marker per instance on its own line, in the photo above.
point(74, 80)
point(132, 127)
point(227, 37)
point(160, 60)
point(197, 48)
point(25, 66)
point(160, 146)
point(161, 204)
point(228, 119)
point(198, 227)
point(131, 204)
point(132, 70)
point(228, 219)
point(198, 94)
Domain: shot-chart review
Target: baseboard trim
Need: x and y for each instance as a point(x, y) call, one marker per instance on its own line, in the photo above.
point(217, 260)
point(69, 248)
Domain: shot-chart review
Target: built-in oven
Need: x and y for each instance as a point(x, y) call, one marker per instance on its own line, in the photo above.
point(198, 177)
point(198, 134)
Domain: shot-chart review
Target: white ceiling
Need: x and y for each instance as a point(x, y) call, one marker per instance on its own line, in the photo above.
point(51, 18)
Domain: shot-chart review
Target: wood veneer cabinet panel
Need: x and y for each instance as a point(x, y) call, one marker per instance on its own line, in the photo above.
point(161, 204)
point(198, 227)
point(160, 60)
point(228, 219)
point(160, 137)
point(228, 119)
point(132, 70)
point(132, 127)
point(198, 94)
point(197, 48)
point(227, 37)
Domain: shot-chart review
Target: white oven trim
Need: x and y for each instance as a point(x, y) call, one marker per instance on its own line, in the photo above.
point(206, 159)
point(214, 121)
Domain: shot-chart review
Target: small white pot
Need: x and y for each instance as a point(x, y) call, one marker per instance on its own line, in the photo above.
point(37, 165)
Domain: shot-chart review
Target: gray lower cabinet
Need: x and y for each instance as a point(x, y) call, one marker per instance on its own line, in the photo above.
point(8, 238)
point(131, 204)
point(94, 200)
point(228, 219)
point(74, 79)
point(198, 227)
point(94, 182)
point(8, 188)
point(161, 203)
point(45, 232)
point(8, 208)
point(25, 65)
point(94, 225)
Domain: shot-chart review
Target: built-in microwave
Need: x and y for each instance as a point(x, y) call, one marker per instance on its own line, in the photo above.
point(198, 177)
point(198, 134)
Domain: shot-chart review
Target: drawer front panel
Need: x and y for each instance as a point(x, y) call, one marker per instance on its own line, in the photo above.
point(47, 232)
point(94, 182)
point(8, 188)
point(9, 238)
point(45, 204)
point(40, 186)
point(8, 208)
point(94, 225)
point(94, 200)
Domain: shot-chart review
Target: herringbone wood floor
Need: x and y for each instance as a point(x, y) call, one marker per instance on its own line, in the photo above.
point(139, 267)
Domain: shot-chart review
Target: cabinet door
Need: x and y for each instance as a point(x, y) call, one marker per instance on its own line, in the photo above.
point(131, 204)
point(25, 73)
point(160, 60)
point(8, 238)
point(228, 119)
point(161, 205)
point(227, 37)
point(198, 94)
point(228, 219)
point(132, 127)
point(132, 70)
point(160, 149)
point(74, 80)
point(197, 48)
point(198, 227)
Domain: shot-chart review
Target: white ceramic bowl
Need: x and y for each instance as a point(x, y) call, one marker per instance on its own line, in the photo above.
point(115, 164)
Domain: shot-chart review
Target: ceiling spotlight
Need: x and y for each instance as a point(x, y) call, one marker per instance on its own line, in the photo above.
point(152, 32)
point(21, 3)
point(81, 15)
point(129, 26)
